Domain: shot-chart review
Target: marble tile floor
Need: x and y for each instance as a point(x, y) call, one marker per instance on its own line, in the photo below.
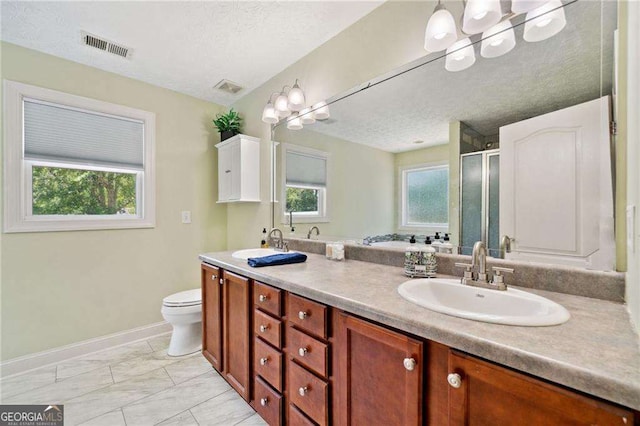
point(133, 384)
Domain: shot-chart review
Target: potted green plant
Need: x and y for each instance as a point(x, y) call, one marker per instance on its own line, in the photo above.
point(228, 124)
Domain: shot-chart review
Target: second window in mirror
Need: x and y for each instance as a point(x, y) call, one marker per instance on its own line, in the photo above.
point(304, 184)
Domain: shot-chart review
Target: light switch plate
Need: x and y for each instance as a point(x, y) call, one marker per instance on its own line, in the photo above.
point(631, 231)
point(186, 216)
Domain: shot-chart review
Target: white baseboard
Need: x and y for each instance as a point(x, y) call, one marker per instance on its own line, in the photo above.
point(63, 353)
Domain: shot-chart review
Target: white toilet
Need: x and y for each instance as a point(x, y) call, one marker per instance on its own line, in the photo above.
point(184, 312)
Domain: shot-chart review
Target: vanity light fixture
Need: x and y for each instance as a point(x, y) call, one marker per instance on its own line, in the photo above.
point(294, 122)
point(498, 40)
point(460, 56)
point(289, 104)
point(545, 21)
point(480, 15)
point(441, 30)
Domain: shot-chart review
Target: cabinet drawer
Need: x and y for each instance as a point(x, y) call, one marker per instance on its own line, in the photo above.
point(267, 298)
point(268, 364)
point(308, 393)
point(297, 417)
point(307, 315)
point(308, 351)
point(268, 403)
point(268, 328)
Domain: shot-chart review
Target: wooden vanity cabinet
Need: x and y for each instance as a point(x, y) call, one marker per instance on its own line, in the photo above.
point(378, 374)
point(226, 322)
point(212, 315)
point(492, 395)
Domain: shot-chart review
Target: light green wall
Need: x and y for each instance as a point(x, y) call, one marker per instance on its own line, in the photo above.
point(361, 186)
point(390, 36)
point(63, 287)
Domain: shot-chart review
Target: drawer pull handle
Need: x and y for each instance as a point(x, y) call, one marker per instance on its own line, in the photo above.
point(263, 298)
point(264, 361)
point(264, 401)
point(302, 315)
point(264, 328)
point(302, 351)
point(454, 380)
point(409, 363)
point(303, 391)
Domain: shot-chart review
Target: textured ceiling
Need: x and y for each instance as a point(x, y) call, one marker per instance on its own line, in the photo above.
point(184, 46)
point(532, 79)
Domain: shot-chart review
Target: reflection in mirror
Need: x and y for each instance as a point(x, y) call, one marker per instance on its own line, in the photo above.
point(513, 150)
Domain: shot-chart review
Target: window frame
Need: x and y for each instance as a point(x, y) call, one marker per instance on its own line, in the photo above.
point(17, 178)
point(322, 216)
point(403, 173)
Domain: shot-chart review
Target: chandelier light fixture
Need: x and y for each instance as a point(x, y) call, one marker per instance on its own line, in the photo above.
point(544, 19)
point(290, 104)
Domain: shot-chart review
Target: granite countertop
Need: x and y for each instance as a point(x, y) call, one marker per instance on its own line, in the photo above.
point(597, 351)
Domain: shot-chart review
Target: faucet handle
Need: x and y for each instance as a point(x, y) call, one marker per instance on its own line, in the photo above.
point(468, 270)
point(498, 278)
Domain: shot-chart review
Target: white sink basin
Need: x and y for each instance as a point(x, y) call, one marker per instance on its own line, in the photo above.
point(256, 252)
point(510, 307)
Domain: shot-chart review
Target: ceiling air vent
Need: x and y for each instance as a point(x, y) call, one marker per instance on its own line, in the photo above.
point(106, 45)
point(228, 86)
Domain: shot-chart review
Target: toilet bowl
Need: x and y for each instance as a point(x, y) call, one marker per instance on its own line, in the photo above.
point(184, 312)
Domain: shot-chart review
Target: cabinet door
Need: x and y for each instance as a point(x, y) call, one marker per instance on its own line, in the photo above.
point(492, 395)
point(378, 377)
point(236, 171)
point(212, 315)
point(237, 326)
point(224, 172)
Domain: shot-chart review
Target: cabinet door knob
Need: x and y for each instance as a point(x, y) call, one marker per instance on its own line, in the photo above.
point(227, 171)
point(264, 401)
point(302, 315)
point(264, 328)
point(454, 380)
point(213, 277)
point(264, 361)
point(409, 363)
point(263, 298)
point(302, 351)
point(302, 391)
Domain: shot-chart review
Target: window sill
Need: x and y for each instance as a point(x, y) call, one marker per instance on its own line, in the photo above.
point(76, 225)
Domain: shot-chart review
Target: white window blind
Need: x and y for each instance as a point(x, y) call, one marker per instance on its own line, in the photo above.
point(55, 132)
point(306, 170)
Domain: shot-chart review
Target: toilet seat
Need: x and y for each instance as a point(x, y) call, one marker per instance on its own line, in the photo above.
point(184, 299)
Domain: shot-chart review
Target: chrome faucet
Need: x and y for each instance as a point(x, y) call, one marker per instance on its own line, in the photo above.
point(505, 246)
point(313, 228)
point(277, 242)
point(480, 278)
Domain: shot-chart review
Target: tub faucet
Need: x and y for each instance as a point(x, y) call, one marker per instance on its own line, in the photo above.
point(313, 228)
point(277, 242)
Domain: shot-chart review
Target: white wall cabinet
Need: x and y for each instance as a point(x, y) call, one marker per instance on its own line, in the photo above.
point(239, 169)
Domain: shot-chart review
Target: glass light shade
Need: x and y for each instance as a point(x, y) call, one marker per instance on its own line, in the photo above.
point(269, 114)
point(441, 30)
point(295, 98)
point(498, 40)
point(480, 15)
point(306, 116)
point(544, 22)
point(523, 6)
point(281, 105)
point(294, 123)
point(460, 56)
point(320, 110)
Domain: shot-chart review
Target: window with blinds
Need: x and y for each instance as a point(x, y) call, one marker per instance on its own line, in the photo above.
point(305, 183)
point(84, 164)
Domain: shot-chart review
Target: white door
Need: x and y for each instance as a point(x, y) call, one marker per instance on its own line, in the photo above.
point(556, 197)
point(224, 173)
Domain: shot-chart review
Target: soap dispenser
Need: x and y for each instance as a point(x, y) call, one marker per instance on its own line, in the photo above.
point(436, 242)
point(446, 246)
point(263, 242)
point(413, 239)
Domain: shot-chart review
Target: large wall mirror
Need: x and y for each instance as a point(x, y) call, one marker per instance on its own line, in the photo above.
point(514, 150)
